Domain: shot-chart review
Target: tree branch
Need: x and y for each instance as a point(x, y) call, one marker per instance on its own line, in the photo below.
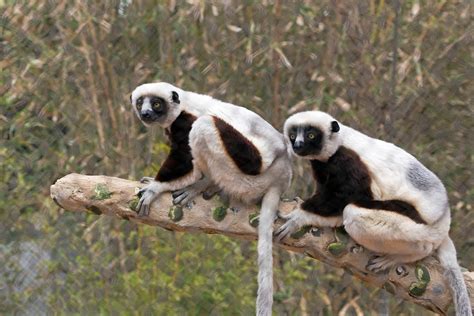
point(422, 283)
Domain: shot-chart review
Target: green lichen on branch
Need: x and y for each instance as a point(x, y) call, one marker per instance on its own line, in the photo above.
point(254, 219)
point(300, 233)
point(176, 213)
point(219, 213)
point(337, 249)
point(101, 192)
point(132, 204)
point(424, 278)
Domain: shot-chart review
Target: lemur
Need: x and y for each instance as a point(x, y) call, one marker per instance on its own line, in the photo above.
point(387, 201)
point(214, 143)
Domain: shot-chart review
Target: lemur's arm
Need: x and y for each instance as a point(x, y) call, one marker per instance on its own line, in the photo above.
point(177, 171)
point(179, 162)
point(319, 205)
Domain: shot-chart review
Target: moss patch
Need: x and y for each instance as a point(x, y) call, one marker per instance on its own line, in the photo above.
point(300, 233)
point(176, 213)
point(337, 249)
point(132, 204)
point(423, 276)
point(219, 213)
point(101, 192)
point(254, 219)
point(417, 288)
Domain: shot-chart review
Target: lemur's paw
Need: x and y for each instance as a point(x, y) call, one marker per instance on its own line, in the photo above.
point(147, 195)
point(210, 192)
point(380, 263)
point(146, 180)
point(294, 221)
point(184, 196)
point(298, 200)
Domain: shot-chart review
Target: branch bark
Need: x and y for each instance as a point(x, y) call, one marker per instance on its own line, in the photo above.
point(421, 283)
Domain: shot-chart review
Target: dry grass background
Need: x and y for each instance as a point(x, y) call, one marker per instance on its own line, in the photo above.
point(400, 71)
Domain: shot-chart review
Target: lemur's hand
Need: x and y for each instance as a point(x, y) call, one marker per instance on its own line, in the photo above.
point(186, 195)
point(147, 195)
point(146, 180)
point(294, 221)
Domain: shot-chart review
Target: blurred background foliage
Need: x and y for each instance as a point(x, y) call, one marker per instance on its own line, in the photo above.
point(399, 71)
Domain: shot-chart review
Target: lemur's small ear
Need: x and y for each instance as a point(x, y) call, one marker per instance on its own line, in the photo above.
point(335, 127)
point(175, 97)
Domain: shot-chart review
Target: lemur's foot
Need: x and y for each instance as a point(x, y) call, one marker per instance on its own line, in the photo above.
point(210, 192)
point(147, 195)
point(186, 195)
point(380, 263)
point(294, 221)
point(146, 180)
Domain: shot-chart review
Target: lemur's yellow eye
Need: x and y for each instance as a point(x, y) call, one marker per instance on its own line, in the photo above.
point(311, 136)
point(292, 136)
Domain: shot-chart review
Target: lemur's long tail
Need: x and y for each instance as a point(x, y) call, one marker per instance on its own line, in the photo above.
point(447, 257)
point(268, 211)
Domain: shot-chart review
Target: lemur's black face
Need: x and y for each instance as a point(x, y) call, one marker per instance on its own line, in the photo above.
point(306, 140)
point(152, 108)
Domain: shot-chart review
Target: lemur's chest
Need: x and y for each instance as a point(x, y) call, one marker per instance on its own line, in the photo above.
point(179, 161)
point(343, 176)
point(178, 132)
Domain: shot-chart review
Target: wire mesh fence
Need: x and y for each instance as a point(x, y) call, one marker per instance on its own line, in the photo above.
point(401, 71)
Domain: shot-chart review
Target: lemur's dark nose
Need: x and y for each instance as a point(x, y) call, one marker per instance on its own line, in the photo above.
point(298, 145)
point(147, 115)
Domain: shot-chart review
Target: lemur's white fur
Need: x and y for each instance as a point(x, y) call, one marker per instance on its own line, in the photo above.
point(211, 160)
point(395, 174)
point(388, 166)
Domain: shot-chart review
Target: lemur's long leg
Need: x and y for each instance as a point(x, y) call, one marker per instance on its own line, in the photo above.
point(398, 238)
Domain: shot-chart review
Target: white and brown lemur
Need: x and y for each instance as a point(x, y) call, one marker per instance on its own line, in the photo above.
point(384, 197)
point(214, 143)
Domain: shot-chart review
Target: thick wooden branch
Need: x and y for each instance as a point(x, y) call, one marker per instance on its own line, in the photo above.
point(422, 283)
